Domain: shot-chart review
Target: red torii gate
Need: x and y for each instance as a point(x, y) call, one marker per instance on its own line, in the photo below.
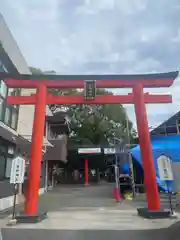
point(138, 98)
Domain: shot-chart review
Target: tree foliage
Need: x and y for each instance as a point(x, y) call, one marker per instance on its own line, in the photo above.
point(95, 124)
point(35, 70)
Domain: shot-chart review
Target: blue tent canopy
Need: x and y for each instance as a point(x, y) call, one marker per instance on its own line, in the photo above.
point(161, 145)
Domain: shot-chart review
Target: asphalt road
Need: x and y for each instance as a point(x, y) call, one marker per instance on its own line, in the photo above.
point(172, 233)
point(66, 198)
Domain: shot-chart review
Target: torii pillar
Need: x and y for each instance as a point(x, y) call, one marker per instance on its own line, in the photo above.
point(32, 192)
point(152, 193)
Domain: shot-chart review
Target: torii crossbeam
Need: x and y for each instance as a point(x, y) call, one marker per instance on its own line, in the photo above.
point(137, 97)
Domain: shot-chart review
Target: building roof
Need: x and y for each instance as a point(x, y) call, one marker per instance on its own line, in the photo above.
point(59, 117)
point(168, 127)
point(23, 145)
point(59, 120)
point(59, 150)
point(149, 76)
point(10, 53)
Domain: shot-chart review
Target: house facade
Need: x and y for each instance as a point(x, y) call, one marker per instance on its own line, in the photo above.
point(11, 143)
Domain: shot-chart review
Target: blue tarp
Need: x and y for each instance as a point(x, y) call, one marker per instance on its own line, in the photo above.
point(162, 145)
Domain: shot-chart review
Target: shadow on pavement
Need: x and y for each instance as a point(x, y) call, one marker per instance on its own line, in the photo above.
point(171, 233)
point(71, 196)
point(86, 197)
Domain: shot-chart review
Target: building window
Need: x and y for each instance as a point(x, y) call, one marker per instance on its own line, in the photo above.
point(3, 148)
point(15, 106)
point(11, 150)
point(3, 89)
point(14, 109)
point(7, 117)
point(8, 113)
point(14, 118)
point(2, 167)
point(14, 92)
point(2, 67)
point(8, 167)
point(1, 108)
point(3, 94)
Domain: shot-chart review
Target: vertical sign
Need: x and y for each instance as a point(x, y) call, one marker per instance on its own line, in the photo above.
point(166, 174)
point(17, 177)
point(17, 170)
point(89, 89)
point(165, 168)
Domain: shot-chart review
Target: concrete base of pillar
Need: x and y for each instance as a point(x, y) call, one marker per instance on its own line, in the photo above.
point(145, 213)
point(23, 218)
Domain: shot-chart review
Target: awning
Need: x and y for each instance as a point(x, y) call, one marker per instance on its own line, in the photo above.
point(46, 143)
point(58, 152)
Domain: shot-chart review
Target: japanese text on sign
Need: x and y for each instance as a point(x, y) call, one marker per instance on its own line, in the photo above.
point(17, 170)
point(165, 168)
point(90, 89)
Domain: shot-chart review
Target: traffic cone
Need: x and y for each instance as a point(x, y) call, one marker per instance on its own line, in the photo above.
point(116, 194)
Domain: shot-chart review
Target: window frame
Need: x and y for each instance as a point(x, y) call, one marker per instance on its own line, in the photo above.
point(9, 117)
point(6, 154)
point(2, 178)
point(3, 153)
point(12, 108)
point(2, 114)
point(7, 159)
point(16, 111)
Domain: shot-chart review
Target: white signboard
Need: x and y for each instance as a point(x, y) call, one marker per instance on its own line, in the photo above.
point(109, 150)
point(165, 168)
point(17, 170)
point(89, 150)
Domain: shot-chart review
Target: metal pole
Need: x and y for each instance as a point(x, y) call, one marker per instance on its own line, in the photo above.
point(130, 161)
point(53, 177)
point(177, 126)
point(132, 176)
point(116, 177)
point(170, 198)
point(117, 173)
point(46, 176)
point(14, 201)
point(86, 172)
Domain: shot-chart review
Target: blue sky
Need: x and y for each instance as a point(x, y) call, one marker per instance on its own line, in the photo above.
point(101, 36)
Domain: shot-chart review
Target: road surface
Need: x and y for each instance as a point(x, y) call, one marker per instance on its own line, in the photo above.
point(91, 213)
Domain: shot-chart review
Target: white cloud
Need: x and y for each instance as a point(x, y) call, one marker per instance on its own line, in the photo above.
point(100, 36)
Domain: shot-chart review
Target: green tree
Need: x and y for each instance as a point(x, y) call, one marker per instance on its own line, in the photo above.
point(94, 124)
point(35, 70)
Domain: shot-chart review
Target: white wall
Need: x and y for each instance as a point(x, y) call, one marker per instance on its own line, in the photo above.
point(8, 201)
point(26, 115)
point(25, 120)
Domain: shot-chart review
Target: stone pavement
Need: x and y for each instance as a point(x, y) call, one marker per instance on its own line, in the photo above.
point(90, 212)
point(140, 201)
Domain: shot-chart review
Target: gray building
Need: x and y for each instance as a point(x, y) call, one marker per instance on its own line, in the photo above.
point(12, 61)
